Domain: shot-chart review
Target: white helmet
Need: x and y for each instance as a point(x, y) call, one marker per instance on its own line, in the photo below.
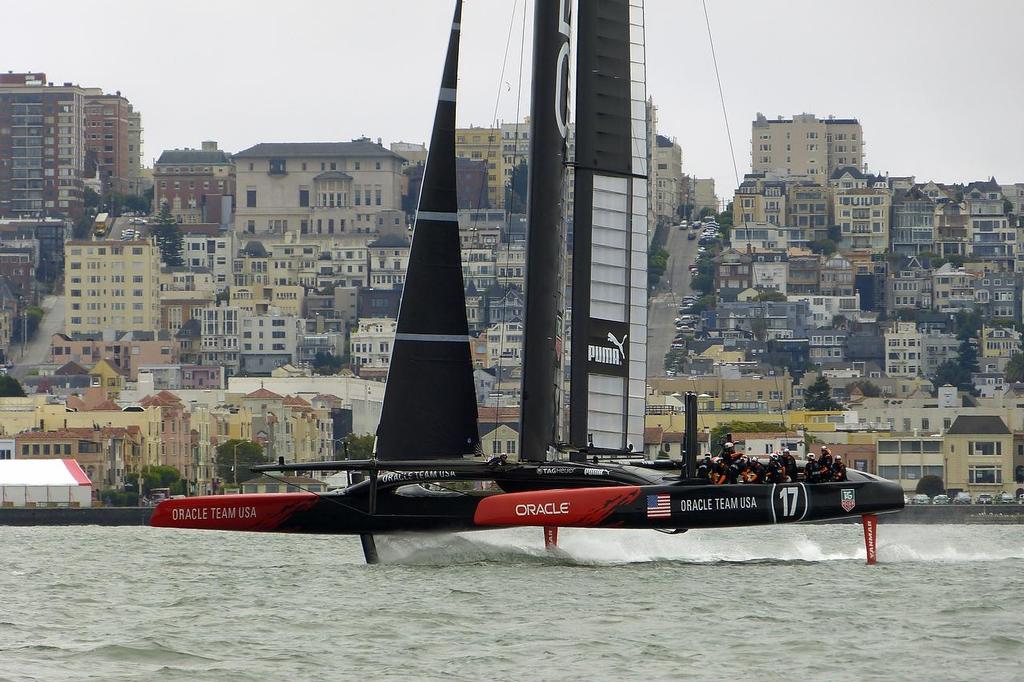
point(728, 444)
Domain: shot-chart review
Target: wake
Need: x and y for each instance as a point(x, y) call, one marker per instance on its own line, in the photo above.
point(897, 543)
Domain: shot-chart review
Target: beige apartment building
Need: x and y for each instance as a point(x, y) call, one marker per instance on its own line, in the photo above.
point(485, 144)
point(318, 188)
point(862, 215)
point(112, 285)
point(668, 184)
point(805, 145)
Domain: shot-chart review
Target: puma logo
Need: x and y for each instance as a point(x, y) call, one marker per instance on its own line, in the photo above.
point(618, 344)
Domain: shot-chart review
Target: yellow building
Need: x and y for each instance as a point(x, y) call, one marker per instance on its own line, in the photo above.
point(997, 346)
point(108, 377)
point(979, 455)
point(112, 286)
point(259, 299)
point(485, 144)
point(500, 440)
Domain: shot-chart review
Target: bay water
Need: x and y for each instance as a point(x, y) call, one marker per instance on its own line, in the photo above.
point(793, 602)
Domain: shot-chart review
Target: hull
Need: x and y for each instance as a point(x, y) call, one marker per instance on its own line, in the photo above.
point(412, 508)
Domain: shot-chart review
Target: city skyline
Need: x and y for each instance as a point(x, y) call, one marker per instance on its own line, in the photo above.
point(333, 79)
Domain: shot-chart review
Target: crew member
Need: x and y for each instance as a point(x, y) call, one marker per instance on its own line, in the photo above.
point(838, 469)
point(775, 472)
point(704, 468)
point(719, 471)
point(825, 465)
point(811, 469)
point(498, 460)
point(789, 465)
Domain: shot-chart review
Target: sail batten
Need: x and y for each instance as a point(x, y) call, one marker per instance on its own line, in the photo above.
point(429, 409)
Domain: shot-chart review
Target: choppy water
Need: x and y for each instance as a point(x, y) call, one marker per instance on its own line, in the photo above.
point(946, 602)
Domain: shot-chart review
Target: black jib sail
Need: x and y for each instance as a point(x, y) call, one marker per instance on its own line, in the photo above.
point(609, 277)
point(429, 409)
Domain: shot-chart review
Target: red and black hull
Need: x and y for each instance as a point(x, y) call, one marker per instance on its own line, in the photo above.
point(671, 506)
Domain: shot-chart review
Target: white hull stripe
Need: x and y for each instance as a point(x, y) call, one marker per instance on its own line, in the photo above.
point(437, 215)
point(446, 95)
point(443, 338)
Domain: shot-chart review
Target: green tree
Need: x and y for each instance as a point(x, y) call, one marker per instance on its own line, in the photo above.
point(930, 485)
point(10, 387)
point(818, 396)
point(359, 447)
point(657, 263)
point(234, 457)
point(968, 324)
point(159, 477)
point(759, 328)
point(968, 356)
point(867, 388)
point(1015, 368)
point(950, 372)
point(135, 203)
point(327, 363)
point(719, 433)
point(825, 247)
point(771, 295)
point(90, 199)
point(168, 237)
point(515, 190)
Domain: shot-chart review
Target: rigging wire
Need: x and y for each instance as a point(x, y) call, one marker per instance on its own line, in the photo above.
point(721, 93)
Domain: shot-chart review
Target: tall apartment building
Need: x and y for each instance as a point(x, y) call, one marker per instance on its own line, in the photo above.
point(805, 145)
point(668, 185)
point(485, 144)
point(113, 141)
point(112, 285)
point(862, 215)
point(318, 188)
point(42, 147)
point(197, 184)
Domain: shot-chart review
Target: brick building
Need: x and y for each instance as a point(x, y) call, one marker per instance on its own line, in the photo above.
point(197, 184)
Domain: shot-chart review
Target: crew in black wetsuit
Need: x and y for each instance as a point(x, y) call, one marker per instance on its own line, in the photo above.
point(811, 469)
point(789, 465)
point(498, 460)
point(838, 469)
point(775, 471)
point(719, 471)
point(825, 465)
point(704, 468)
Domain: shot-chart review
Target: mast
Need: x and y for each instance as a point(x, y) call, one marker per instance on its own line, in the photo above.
point(609, 274)
point(542, 328)
point(429, 409)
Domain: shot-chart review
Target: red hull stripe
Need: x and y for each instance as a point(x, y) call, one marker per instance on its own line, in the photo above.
point(231, 512)
point(581, 507)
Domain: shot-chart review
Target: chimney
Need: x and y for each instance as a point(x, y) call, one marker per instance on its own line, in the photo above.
point(209, 145)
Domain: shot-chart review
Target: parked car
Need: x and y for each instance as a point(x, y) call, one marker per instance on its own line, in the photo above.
point(921, 498)
point(940, 499)
point(1004, 498)
point(962, 497)
point(983, 498)
point(691, 235)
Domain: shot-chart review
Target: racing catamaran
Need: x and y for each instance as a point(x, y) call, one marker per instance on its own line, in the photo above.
point(427, 473)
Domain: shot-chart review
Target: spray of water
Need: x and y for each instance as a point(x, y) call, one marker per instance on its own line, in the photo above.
point(818, 543)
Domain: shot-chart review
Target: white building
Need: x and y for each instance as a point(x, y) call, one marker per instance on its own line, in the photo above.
point(389, 260)
point(370, 345)
point(268, 340)
point(823, 309)
point(903, 345)
point(504, 343)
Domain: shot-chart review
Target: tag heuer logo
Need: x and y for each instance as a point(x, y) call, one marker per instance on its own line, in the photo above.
point(849, 499)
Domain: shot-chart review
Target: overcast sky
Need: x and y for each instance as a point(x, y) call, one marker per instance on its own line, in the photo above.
point(937, 85)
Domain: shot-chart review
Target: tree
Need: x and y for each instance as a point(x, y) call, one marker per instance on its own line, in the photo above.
point(759, 328)
point(719, 433)
point(968, 356)
point(930, 485)
point(243, 453)
point(968, 324)
point(771, 295)
point(135, 203)
point(359, 447)
point(327, 363)
point(1015, 368)
point(515, 190)
point(90, 199)
point(825, 247)
point(818, 395)
point(10, 387)
point(866, 388)
point(159, 477)
point(168, 237)
point(950, 372)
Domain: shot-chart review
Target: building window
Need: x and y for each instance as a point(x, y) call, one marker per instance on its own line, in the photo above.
point(984, 475)
point(304, 198)
point(250, 198)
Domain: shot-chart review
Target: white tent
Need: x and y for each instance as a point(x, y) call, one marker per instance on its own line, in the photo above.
point(44, 482)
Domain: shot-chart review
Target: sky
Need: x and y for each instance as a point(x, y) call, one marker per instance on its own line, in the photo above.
point(937, 85)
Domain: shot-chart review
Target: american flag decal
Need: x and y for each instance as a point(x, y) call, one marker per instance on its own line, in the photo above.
point(659, 506)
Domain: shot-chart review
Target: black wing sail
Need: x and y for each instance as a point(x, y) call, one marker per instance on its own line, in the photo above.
point(429, 409)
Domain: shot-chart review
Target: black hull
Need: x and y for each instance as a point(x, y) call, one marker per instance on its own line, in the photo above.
point(603, 498)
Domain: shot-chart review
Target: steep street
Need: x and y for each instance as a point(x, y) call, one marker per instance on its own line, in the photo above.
point(664, 304)
point(37, 351)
